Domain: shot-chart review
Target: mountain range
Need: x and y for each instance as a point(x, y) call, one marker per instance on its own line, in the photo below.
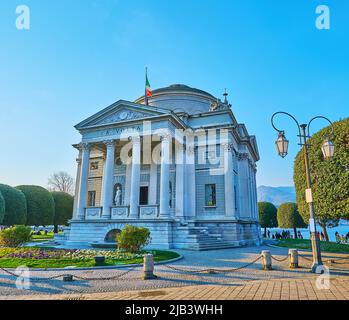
point(276, 195)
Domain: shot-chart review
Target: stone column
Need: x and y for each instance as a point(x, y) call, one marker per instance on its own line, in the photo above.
point(153, 183)
point(255, 199)
point(82, 202)
point(179, 180)
point(165, 177)
point(229, 180)
point(135, 177)
point(243, 185)
point(190, 184)
point(77, 186)
point(128, 184)
point(108, 175)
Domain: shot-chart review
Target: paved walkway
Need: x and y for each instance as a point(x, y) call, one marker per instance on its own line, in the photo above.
point(247, 283)
point(282, 289)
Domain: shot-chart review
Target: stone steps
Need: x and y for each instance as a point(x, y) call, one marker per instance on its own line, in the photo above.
point(199, 238)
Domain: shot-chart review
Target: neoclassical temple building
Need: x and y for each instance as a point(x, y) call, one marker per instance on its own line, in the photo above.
point(180, 165)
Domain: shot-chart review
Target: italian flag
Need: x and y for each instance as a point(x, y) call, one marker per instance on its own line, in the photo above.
point(148, 92)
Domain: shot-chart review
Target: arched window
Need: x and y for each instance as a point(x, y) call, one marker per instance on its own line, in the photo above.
point(111, 235)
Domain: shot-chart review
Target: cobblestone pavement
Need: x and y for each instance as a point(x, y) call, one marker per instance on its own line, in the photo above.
point(247, 283)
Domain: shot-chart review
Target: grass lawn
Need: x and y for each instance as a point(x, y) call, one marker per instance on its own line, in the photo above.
point(42, 237)
point(332, 247)
point(61, 262)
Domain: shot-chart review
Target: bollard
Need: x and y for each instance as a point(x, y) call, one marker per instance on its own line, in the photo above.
point(266, 260)
point(68, 278)
point(148, 267)
point(293, 253)
point(99, 260)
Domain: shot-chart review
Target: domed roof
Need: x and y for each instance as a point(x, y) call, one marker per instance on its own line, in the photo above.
point(181, 88)
point(180, 98)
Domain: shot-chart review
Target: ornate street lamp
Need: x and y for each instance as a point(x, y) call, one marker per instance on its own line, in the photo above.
point(327, 151)
point(282, 145)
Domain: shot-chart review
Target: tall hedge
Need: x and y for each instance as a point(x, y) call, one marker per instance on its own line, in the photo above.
point(64, 203)
point(330, 178)
point(289, 217)
point(15, 206)
point(40, 205)
point(267, 216)
point(2, 208)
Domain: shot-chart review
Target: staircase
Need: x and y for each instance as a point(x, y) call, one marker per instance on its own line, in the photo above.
point(199, 238)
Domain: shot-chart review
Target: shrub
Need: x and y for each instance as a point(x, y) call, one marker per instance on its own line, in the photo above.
point(64, 203)
point(2, 208)
point(267, 216)
point(40, 205)
point(133, 239)
point(15, 236)
point(289, 217)
point(330, 180)
point(15, 206)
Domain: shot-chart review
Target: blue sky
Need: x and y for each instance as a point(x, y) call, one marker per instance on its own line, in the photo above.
point(80, 56)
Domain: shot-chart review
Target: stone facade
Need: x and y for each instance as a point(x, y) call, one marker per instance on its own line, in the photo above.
point(181, 166)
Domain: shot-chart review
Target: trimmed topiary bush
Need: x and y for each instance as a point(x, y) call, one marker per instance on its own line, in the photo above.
point(289, 217)
point(133, 239)
point(330, 178)
point(64, 203)
point(267, 216)
point(15, 206)
point(15, 236)
point(2, 208)
point(40, 205)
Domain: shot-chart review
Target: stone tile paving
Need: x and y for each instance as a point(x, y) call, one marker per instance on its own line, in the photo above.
point(247, 283)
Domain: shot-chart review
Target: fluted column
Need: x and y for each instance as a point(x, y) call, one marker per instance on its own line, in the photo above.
point(190, 178)
point(85, 158)
point(153, 183)
point(179, 180)
point(165, 178)
point(77, 186)
point(108, 175)
point(229, 180)
point(135, 177)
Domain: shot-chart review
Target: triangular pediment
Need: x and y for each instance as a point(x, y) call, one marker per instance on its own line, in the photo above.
point(121, 111)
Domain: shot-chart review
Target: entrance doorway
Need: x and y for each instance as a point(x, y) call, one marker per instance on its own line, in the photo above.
point(143, 196)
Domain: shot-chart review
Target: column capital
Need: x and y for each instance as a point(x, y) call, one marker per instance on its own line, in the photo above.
point(135, 139)
point(84, 146)
point(109, 143)
point(242, 156)
point(228, 147)
point(166, 137)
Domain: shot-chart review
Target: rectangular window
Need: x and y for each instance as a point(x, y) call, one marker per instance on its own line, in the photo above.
point(94, 165)
point(91, 199)
point(210, 195)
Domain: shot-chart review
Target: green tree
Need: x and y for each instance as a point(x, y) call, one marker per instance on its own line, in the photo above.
point(289, 217)
point(64, 203)
point(15, 206)
point(133, 239)
point(330, 178)
point(2, 208)
point(267, 216)
point(40, 205)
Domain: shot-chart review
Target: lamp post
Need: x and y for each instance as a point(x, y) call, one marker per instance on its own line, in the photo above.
point(327, 151)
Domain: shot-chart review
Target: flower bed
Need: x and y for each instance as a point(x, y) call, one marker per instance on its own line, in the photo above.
point(55, 258)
